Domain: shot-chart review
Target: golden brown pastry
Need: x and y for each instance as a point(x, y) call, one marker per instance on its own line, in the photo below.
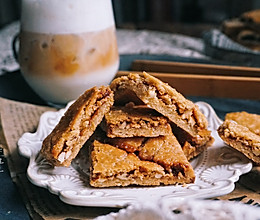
point(160, 161)
point(135, 121)
point(249, 120)
point(79, 122)
point(189, 124)
point(244, 29)
point(251, 16)
point(241, 138)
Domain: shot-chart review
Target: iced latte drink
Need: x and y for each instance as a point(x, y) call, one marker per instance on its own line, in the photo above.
point(67, 46)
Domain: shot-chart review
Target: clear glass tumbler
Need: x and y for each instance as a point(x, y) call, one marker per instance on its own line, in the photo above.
point(67, 46)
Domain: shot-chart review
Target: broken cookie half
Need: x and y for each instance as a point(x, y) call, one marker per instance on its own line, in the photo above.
point(79, 122)
point(241, 138)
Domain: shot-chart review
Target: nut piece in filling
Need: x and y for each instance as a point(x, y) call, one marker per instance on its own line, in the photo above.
point(135, 121)
point(79, 122)
point(241, 138)
point(160, 161)
point(187, 120)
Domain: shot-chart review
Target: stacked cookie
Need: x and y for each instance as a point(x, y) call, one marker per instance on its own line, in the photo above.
point(145, 152)
point(241, 130)
point(143, 132)
point(244, 29)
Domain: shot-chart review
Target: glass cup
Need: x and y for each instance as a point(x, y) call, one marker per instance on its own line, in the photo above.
point(67, 46)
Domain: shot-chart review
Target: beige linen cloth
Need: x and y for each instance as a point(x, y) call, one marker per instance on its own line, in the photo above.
point(17, 118)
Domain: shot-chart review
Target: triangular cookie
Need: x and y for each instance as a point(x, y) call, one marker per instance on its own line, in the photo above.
point(77, 125)
point(158, 161)
point(189, 124)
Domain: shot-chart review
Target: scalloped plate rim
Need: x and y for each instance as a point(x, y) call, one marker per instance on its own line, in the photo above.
point(74, 197)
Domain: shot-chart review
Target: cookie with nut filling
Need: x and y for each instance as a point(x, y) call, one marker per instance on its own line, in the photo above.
point(188, 122)
point(139, 161)
point(135, 121)
point(79, 122)
point(241, 138)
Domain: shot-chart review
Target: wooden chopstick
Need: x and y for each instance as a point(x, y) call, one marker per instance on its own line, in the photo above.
point(210, 85)
point(194, 68)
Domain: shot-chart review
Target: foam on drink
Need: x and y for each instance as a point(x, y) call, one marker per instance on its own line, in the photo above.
point(66, 16)
point(67, 46)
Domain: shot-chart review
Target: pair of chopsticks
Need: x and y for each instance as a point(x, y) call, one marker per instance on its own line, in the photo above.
point(193, 79)
point(194, 68)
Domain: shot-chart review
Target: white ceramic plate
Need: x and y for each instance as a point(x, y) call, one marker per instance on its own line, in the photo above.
point(216, 169)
